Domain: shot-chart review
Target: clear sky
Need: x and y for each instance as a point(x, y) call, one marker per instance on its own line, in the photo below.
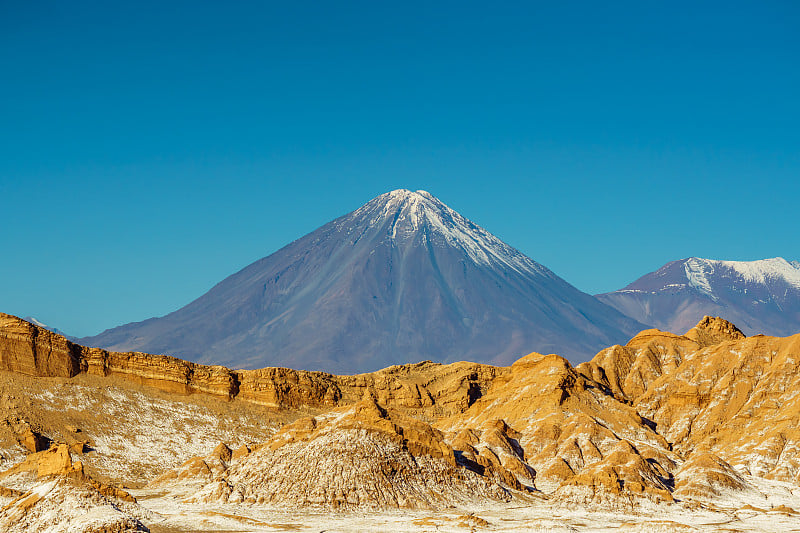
point(150, 149)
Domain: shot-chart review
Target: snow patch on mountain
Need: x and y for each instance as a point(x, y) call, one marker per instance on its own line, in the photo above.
point(412, 211)
point(700, 272)
point(760, 296)
point(766, 270)
point(33, 320)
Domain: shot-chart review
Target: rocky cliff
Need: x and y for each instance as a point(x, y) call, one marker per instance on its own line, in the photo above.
point(426, 387)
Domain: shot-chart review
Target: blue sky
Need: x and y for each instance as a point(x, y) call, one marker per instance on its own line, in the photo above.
point(149, 150)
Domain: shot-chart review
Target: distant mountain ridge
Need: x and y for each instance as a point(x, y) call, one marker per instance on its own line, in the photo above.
point(403, 278)
point(759, 296)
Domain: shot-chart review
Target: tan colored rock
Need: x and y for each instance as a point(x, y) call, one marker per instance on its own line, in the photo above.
point(79, 447)
point(736, 389)
point(629, 370)
point(705, 477)
point(714, 330)
point(567, 430)
point(222, 452)
point(29, 349)
point(53, 462)
point(426, 387)
point(664, 412)
point(29, 438)
point(366, 456)
point(33, 441)
point(240, 452)
point(721, 391)
point(57, 462)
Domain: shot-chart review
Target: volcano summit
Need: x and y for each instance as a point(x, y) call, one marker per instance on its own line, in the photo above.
point(403, 278)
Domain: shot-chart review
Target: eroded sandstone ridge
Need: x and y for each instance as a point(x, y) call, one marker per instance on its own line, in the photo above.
point(666, 420)
point(426, 388)
point(362, 456)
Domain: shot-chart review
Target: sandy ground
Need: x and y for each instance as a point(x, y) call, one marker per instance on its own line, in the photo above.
point(531, 516)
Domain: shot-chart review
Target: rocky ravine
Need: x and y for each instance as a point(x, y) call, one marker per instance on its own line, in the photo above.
point(703, 424)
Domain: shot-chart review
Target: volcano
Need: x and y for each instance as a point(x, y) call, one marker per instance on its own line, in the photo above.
point(403, 278)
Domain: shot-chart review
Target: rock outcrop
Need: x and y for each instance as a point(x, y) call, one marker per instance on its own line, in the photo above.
point(428, 388)
point(573, 432)
point(714, 330)
point(714, 389)
point(365, 456)
point(49, 491)
point(57, 461)
point(29, 349)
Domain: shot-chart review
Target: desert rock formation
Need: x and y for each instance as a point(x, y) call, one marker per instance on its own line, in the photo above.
point(683, 421)
point(424, 387)
point(49, 491)
point(363, 456)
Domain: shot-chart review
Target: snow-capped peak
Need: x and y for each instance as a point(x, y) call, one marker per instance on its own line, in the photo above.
point(700, 272)
point(36, 322)
point(765, 269)
point(410, 211)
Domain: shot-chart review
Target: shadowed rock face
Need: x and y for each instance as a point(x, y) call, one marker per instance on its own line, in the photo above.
point(403, 278)
point(758, 296)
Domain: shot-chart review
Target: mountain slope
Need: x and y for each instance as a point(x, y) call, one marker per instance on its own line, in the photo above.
point(759, 296)
point(403, 278)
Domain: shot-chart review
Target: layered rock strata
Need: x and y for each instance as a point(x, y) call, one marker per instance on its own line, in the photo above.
point(428, 388)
